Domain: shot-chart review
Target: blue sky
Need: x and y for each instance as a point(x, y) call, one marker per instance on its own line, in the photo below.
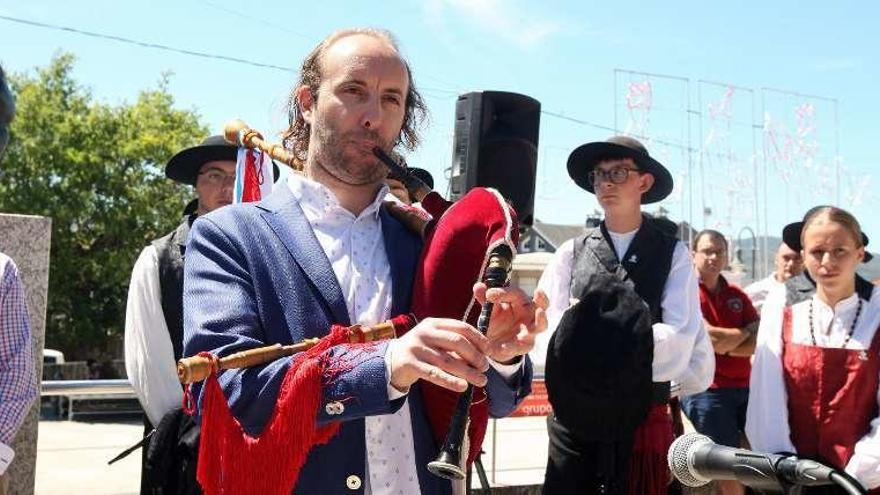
point(574, 57)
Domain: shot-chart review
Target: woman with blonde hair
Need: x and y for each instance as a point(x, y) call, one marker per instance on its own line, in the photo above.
point(814, 382)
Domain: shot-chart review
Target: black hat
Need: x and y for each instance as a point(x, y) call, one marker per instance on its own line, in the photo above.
point(584, 158)
point(791, 236)
point(598, 369)
point(184, 166)
point(423, 175)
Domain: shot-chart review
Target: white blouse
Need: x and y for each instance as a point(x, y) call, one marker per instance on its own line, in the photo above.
point(767, 417)
point(763, 290)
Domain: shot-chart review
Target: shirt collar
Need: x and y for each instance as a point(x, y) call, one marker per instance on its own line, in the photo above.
point(319, 200)
point(844, 305)
point(722, 285)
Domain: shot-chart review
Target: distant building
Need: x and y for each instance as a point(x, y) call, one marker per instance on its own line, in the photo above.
point(547, 237)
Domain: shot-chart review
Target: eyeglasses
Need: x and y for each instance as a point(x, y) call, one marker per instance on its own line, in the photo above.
point(217, 178)
point(617, 175)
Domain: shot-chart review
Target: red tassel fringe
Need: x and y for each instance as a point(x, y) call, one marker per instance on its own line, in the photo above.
point(232, 462)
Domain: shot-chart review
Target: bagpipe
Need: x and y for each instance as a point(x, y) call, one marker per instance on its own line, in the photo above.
point(471, 240)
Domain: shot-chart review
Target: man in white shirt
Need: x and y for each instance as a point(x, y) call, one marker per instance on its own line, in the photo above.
point(630, 247)
point(154, 312)
point(789, 263)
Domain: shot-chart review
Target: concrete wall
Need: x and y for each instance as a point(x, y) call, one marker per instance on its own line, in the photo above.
point(26, 239)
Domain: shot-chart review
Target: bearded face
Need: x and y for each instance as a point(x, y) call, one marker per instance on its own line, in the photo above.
point(348, 156)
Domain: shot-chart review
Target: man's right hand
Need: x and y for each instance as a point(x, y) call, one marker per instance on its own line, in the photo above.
point(448, 353)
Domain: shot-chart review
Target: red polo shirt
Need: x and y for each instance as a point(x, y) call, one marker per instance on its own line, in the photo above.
point(728, 307)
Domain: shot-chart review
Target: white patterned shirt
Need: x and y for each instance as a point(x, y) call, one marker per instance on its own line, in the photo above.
point(355, 247)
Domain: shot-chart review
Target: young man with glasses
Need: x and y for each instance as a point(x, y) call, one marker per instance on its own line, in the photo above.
point(590, 452)
point(154, 313)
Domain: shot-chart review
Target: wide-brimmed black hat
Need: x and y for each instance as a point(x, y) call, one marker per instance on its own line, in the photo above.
point(584, 158)
point(184, 166)
point(791, 236)
point(423, 175)
point(598, 370)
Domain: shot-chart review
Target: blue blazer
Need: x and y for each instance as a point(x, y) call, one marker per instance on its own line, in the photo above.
point(255, 275)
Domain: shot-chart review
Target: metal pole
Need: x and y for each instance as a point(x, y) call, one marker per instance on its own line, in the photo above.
point(690, 165)
point(837, 153)
point(764, 160)
point(616, 128)
point(702, 159)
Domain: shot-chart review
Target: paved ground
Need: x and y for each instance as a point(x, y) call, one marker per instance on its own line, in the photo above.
point(72, 456)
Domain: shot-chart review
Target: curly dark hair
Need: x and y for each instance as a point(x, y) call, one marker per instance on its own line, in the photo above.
point(296, 137)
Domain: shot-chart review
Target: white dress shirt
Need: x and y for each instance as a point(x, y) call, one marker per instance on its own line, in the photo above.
point(675, 338)
point(763, 289)
point(356, 250)
point(767, 417)
point(149, 355)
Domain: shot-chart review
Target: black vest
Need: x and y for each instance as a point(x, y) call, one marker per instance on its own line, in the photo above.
point(170, 252)
point(645, 266)
point(170, 459)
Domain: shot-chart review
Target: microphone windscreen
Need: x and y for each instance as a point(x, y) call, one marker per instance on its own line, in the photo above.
point(679, 456)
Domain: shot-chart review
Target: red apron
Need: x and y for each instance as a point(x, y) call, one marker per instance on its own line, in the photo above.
point(649, 474)
point(832, 396)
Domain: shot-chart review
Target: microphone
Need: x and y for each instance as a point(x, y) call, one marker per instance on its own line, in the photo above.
point(695, 460)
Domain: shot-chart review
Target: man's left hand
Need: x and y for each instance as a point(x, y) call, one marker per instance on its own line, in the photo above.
point(516, 320)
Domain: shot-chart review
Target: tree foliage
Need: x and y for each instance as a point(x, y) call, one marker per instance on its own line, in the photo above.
point(98, 171)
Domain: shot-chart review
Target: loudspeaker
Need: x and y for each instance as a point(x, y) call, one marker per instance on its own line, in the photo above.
point(496, 145)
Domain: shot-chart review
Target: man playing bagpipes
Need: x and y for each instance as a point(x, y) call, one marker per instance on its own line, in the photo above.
point(322, 251)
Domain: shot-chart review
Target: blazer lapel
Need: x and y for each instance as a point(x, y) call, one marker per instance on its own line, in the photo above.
point(287, 220)
point(402, 257)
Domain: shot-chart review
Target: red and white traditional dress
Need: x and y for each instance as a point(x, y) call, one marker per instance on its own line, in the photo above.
point(816, 393)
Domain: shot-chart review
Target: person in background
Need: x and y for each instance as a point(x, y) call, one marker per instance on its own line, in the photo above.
point(732, 323)
point(788, 263)
point(814, 384)
point(18, 382)
point(587, 456)
point(154, 311)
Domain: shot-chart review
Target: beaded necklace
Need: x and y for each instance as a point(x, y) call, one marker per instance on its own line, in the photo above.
point(852, 327)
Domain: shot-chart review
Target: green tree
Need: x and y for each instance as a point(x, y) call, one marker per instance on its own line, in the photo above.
point(97, 170)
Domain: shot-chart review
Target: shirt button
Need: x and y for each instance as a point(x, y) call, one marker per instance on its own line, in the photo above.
point(353, 482)
point(334, 408)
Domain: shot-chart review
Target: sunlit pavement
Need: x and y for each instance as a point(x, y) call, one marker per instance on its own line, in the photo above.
point(72, 458)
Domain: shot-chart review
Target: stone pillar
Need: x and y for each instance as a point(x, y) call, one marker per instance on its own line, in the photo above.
point(26, 239)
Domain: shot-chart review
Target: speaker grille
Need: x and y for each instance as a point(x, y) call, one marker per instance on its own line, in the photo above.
point(678, 458)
